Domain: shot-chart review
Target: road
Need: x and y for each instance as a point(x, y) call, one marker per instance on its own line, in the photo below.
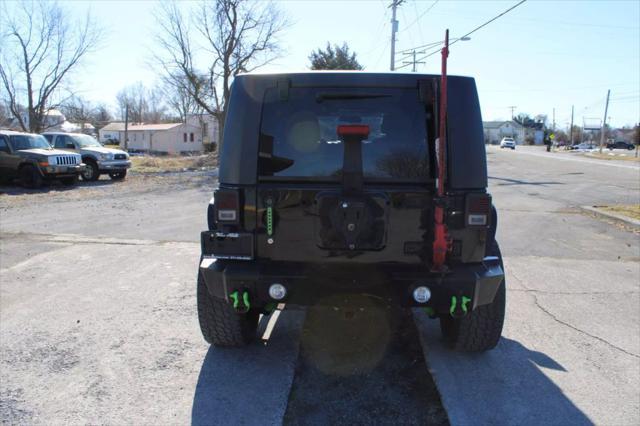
point(98, 323)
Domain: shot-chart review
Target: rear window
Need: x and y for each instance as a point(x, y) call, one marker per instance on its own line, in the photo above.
point(298, 136)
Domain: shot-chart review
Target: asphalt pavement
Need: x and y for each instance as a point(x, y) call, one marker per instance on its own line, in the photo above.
point(98, 321)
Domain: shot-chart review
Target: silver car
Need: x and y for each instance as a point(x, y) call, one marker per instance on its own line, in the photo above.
point(98, 159)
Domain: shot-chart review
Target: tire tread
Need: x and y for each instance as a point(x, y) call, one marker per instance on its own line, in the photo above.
point(220, 324)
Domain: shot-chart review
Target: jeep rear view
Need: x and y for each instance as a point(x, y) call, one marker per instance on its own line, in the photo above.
point(328, 186)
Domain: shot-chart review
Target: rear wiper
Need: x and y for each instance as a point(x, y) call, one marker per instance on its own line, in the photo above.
point(320, 97)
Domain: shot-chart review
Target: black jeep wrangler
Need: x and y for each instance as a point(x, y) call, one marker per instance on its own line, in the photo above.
point(328, 186)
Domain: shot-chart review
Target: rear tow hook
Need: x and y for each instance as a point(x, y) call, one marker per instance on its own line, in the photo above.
point(240, 304)
point(459, 310)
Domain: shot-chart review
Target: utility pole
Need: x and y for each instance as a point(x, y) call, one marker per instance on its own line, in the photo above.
point(571, 128)
point(512, 108)
point(553, 127)
point(414, 61)
point(394, 30)
point(604, 121)
point(126, 127)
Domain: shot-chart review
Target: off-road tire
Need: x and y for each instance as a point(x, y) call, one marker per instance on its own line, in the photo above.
point(30, 177)
point(69, 181)
point(220, 324)
point(480, 330)
point(91, 166)
point(118, 175)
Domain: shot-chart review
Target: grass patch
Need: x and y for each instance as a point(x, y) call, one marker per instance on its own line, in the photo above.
point(163, 164)
point(629, 210)
point(605, 156)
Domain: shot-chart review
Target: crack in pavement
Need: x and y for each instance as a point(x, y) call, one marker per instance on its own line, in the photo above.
point(559, 321)
point(81, 239)
point(570, 293)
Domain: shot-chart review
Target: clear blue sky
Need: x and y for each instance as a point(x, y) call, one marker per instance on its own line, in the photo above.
point(542, 55)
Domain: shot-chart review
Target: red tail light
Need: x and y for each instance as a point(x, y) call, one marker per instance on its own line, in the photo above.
point(478, 209)
point(353, 130)
point(227, 206)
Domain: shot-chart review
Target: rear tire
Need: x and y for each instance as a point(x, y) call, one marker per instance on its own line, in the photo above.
point(30, 177)
point(118, 175)
point(91, 172)
point(220, 324)
point(480, 330)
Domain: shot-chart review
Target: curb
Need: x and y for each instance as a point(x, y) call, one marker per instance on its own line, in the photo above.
point(608, 215)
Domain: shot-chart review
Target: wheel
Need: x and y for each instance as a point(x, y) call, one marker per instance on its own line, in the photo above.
point(513, 148)
point(69, 181)
point(30, 177)
point(91, 171)
point(480, 330)
point(220, 324)
point(118, 175)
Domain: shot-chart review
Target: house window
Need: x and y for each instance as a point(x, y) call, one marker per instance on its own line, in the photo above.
point(190, 137)
point(184, 137)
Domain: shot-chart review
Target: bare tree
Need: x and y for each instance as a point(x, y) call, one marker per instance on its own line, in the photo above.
point(101, 116)
point(41, 46)
point(135, 97)
point(179, 101)
point(77, 109)
point(157, 109)
point(241, 36)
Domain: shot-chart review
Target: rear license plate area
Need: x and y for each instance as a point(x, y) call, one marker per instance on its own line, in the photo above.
point(227, 245)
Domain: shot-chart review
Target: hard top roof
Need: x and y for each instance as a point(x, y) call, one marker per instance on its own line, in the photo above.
point(344, 78)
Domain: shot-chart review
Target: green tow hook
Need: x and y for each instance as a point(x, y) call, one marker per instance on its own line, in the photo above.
point(234, 296)
point(454, 303)
point(465, 302)
point(246, 305)
point(459, 310)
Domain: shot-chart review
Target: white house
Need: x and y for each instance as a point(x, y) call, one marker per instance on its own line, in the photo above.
point(494, 131)
point(208, 127)
point(170, 138)
point(55, 121)
point(110, 132)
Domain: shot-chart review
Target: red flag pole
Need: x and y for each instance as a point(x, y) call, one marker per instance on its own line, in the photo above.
point(440, 242)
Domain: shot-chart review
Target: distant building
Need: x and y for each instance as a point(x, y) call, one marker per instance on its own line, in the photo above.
point(111, 132)
point(208, 127)
point(55, 121)
point(494, 131)
point(170, 138)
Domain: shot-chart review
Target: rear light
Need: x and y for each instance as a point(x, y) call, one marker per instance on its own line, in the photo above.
point(361, 130)
point(227, 205)
point(478, 209)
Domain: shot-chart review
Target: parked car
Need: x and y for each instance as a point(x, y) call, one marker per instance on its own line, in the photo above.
point(621, 145)
point(508, 143)
point(98, 159)
point(327, 188)
point(30, 158)
point(583, 146)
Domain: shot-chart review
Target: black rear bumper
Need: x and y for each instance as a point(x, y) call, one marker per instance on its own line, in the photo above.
point(319, 284)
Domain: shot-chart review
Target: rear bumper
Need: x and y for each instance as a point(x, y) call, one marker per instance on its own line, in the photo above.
point(317, 284)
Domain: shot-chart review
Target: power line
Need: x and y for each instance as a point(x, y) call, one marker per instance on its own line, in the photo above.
point(423, 13)
point(415, 7)
point(474, 30)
